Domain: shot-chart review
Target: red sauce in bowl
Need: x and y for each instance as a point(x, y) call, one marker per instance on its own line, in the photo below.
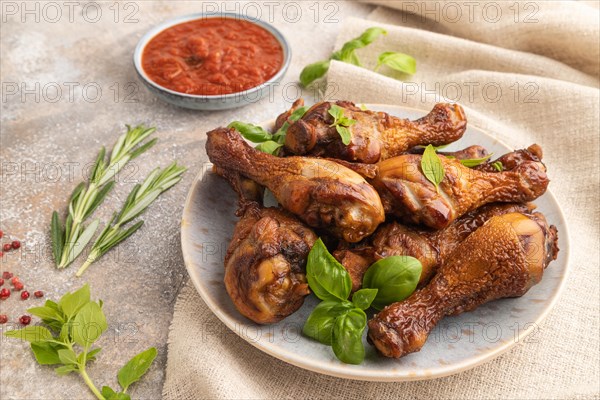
point(212, 56)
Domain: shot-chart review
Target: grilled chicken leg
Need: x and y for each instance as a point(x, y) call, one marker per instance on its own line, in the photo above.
point(406, 192)
point(428, 246)
point(503, 258)
point(265, 260)
point(375, 135)
point(320, 192)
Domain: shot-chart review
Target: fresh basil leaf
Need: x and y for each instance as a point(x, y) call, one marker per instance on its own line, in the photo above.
point(397, 61)
point(110, 394)
point(327, 278)
point(354, 60)
point(53, 325)
point(313, 71)
point(345, 134)
point(371, 34)
point(71, 303)
point(298, 113)
point(107, 392)
point(65, 369)
point(364, 297)
point(319, 324)
point(45, 353)
point(53, 305)
point(346, 54)
point(336, 112)
point(67, 356)
point(269, 147)
point(136, 367)
point(47, 314)
point(395, 277)
point(341, 123)
point(432, 166)
point(347, 122)
point(64, 334)
point(91, 355)
point(33, 333)
point(473, 162)
point(498, 166)
point(253, 133)
point(347, 336)
point(88, 325)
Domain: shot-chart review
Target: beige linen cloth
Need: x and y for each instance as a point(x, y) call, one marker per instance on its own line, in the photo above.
point(524, 83)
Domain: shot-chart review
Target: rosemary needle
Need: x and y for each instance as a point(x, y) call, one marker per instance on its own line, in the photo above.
point(139, 199)
point(68, 242)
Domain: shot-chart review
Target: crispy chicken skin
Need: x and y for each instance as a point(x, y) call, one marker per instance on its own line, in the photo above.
point(428, 246)
point(503, 258)
point(265, 264)
point(266, 258)
point(409, 195)
point(375, 135)
point(322, 193)
point(356, 260)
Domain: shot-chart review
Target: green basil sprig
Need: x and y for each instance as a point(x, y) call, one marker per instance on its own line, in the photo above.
point(398, 61)
point(267, 142)
point(395, 278)
point(474, 162)
point(339, 322)
point(313, 71)
point(327, 278)
point(254, 133)
point(432, 166)
point(336, 321)
point(498, 166)
point(347, 53)
point(346, 337)
point(342, 124)
point(74, 324)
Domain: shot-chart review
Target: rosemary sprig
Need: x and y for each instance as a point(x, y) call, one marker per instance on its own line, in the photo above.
point(68, 242)
point(139, 199)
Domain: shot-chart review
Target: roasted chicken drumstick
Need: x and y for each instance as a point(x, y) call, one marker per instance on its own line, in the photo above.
point(375, 135)
point(430, 247)
point(409, 195)
point(265, 260)
point(503, 258)
point(322, 193)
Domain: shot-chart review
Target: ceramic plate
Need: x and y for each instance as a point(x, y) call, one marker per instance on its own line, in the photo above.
point(456, 344)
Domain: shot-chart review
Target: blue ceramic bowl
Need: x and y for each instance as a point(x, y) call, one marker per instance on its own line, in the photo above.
point(210, 102)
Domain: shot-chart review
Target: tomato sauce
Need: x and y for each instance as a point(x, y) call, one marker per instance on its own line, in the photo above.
point(212, 56)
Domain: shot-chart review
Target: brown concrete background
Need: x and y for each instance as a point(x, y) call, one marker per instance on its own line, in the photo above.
point(47, 138)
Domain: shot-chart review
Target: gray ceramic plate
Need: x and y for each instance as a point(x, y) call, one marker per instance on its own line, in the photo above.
point(458, 343)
